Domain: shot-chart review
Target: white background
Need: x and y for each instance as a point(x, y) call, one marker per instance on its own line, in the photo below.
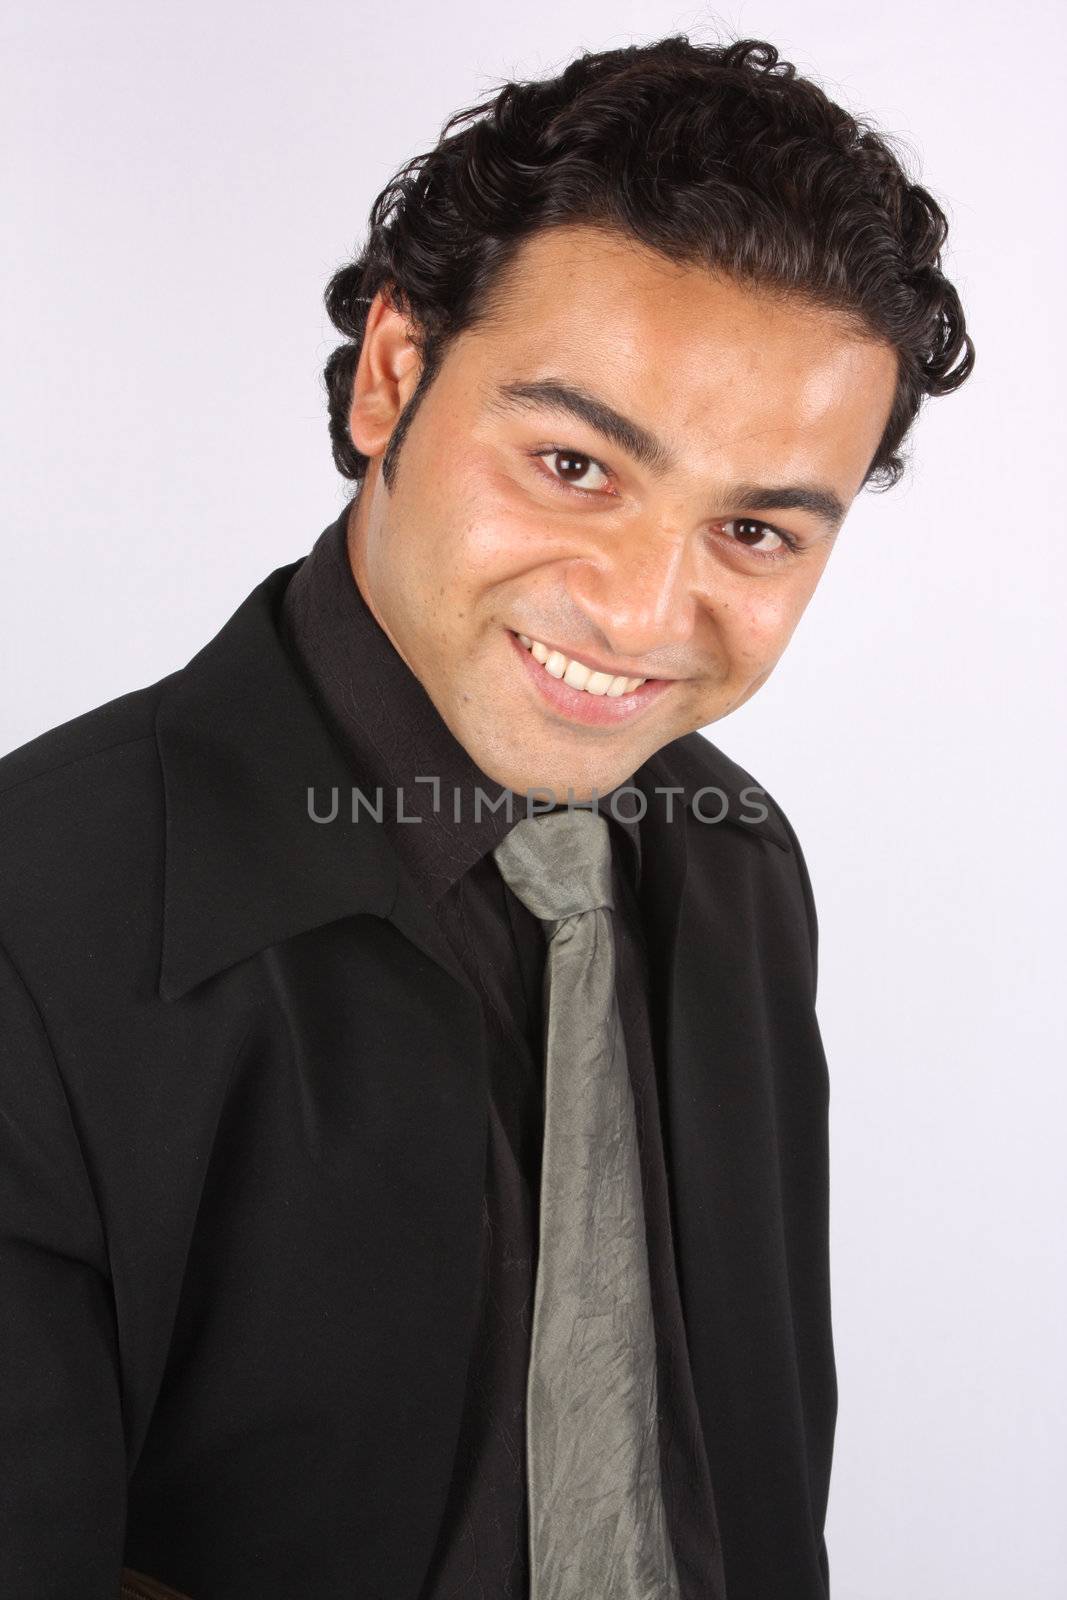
point(181, 180)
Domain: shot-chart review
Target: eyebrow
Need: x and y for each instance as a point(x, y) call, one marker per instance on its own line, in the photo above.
point(648, 451)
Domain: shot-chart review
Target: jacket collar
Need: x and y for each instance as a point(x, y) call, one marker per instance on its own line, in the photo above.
point(241, 742)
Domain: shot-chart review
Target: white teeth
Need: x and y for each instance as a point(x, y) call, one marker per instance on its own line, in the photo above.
point(576, 674)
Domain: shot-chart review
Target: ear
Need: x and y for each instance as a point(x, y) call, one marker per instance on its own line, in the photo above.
point(386, 376)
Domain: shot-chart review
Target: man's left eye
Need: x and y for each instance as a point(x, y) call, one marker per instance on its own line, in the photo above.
point(753, 535)
point(573, 469)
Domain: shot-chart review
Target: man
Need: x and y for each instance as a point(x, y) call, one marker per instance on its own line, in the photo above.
point(414, 1112)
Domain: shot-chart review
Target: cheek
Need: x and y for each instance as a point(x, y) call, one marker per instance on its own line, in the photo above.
point(509, 529)
point(757, 626)
point(496, 547)
point(489, 546)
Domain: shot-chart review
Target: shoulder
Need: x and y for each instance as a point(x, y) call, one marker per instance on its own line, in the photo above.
point(714, 783)
point(79, 747)
point(81, 828)
point(704, 770)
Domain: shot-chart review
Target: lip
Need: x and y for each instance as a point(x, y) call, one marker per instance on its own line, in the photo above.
point(594, 710)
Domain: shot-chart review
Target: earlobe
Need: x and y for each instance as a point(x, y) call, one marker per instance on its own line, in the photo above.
point(370, 421)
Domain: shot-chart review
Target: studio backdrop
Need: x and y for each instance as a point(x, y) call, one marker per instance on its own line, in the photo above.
point(179, 181)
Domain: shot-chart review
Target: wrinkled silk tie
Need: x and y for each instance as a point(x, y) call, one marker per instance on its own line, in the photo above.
point(598, 1529)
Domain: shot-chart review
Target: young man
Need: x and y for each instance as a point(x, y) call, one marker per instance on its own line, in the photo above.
point(414, 1138)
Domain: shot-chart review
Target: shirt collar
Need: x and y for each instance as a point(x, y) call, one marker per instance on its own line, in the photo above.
point(437, 805)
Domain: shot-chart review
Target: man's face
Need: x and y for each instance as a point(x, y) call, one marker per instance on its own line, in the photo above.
point(638, 467)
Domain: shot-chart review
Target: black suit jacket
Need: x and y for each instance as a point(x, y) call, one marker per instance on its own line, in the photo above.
point(243, 1101)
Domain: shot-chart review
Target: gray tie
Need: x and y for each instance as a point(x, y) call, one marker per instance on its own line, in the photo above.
point(597, 1521)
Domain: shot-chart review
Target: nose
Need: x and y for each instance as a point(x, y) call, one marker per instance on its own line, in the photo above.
point(638, 595)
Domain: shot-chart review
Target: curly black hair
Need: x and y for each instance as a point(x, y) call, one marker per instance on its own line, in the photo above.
point(715, 155)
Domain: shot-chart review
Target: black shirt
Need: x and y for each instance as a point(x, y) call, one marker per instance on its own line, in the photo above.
point(394, 735)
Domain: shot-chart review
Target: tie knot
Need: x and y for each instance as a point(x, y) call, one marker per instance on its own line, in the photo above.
point(558, 863)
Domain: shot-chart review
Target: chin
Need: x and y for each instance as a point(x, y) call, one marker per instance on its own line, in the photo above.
point(540, 764)
point(522, 778)
point(568, 785)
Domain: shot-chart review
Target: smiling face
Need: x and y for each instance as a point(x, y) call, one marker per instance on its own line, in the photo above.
point(635, 470)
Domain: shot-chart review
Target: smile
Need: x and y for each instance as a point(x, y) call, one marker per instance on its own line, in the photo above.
point(580, 693)
point(578, 676)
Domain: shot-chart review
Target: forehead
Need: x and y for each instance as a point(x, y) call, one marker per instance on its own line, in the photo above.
point(712, 366)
